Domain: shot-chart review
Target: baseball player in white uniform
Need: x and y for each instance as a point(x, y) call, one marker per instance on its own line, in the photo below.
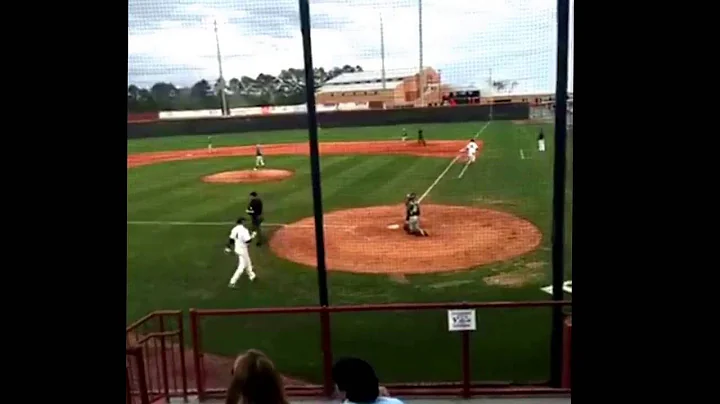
point(471, 149)
point(259, 159)
point(240, 237)
point(541, 141)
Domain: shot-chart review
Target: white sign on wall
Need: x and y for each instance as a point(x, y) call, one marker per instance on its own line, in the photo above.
point(461, 320)
point(567, 287)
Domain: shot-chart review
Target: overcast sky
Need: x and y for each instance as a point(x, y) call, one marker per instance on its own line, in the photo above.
point(173, 40)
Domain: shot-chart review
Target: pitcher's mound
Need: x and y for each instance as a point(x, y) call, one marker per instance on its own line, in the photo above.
point(248, 176)
point(369, 240)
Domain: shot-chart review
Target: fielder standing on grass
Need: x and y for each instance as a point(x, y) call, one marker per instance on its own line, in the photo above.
point(404, 135)
point(259, 159)
point(240, 237)
point(255, 210)
point(209, 144)
point(541, 141)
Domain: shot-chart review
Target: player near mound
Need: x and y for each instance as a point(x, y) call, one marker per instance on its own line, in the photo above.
point(471, 148)
point(412, 216)
point(238, 242)
point(421, 138)
point(541, 141)
point(259, 159)
point(404, 135)
point(255, 210)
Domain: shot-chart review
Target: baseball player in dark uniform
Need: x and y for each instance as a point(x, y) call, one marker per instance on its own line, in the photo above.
point(412, 216)
point(255, 210)
point(421, 138)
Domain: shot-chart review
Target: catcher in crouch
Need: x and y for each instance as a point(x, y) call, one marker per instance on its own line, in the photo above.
point(412, 216)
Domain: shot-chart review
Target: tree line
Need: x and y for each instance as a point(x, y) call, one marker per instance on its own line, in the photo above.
point(287, 88)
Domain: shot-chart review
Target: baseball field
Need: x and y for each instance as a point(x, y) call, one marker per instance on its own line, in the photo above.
point(489, 226)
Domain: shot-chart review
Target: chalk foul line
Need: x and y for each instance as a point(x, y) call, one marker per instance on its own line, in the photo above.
point(442, 174)
point(462, 172)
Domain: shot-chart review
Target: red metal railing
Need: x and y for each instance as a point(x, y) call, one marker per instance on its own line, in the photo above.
point(465, 388)
point(135, 382)
point(567, 354)
point(159, 339)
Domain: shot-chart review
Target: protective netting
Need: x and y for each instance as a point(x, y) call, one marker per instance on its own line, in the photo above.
point(495, 46)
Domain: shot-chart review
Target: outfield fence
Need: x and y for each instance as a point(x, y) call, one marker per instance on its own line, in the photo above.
point(159, 366)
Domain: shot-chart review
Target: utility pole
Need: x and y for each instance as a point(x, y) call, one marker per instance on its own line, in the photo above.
point(223, 97)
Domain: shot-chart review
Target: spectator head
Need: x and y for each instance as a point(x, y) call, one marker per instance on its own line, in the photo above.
point(356, 379)
point(255, 381)
point(253, 194)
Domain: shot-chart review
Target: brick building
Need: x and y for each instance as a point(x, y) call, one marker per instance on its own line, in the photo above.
point(401, 88)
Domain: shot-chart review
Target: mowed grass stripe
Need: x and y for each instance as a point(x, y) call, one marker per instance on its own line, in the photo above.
point(194, 200)
point(358, 186)
point(399, 177)
point(177, 173)
point(301, 199)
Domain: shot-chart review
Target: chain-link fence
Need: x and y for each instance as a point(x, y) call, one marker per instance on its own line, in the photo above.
point(207, 53)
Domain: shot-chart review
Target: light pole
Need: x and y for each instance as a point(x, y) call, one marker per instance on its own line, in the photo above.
point(420, 54)
point(223, 98)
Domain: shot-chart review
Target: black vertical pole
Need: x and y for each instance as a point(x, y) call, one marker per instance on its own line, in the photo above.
point(314, 150)
point(317, 194)
point(558, 225)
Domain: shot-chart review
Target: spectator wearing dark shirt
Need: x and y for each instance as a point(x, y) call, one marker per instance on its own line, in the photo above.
point(357, 381)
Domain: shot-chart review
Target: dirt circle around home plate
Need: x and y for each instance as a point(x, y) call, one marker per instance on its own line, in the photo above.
point(371, 240)
point(248, 176)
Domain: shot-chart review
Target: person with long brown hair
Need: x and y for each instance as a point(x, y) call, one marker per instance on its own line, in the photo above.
point(255, 381)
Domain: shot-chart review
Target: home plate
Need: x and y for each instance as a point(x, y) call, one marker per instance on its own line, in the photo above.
point(393, 226)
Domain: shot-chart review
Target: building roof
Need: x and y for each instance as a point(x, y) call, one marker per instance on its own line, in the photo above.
point(344, 88)
point(359, 77)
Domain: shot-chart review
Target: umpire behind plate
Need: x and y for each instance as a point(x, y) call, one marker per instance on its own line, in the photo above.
point(255, 210)
point(412, 216)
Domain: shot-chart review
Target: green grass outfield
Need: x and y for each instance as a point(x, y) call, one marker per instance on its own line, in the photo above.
point(183, 266)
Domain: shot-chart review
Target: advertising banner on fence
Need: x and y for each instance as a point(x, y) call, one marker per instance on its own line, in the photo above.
point(248, 111)
point(201, 113)
point(268, 110)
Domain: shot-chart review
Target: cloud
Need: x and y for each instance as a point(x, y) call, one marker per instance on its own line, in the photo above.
point(466, 40)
